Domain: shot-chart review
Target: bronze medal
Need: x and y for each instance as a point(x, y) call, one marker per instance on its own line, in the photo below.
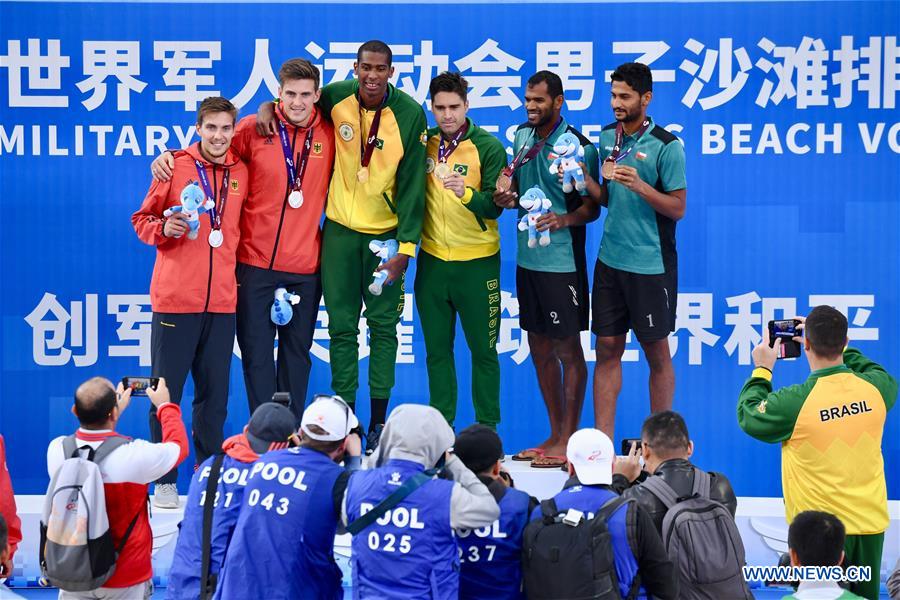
point(363, 174)
point(504, 182)
point(608, 169)
point(442, 171)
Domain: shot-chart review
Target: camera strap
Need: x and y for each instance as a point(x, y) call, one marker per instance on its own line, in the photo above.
point(408, 487)
point(208, 583)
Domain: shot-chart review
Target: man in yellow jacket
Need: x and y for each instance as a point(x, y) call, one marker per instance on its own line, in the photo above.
point(458, 272)
point(376, 193)
point(830, 430)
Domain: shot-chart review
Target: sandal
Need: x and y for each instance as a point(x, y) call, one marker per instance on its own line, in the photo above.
point(550, 462)
point(528, 455)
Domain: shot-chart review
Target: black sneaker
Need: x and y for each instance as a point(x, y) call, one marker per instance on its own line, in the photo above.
point(372, 438)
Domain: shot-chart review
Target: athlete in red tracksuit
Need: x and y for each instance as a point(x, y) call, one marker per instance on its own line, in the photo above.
point(280, 236)
point(280, 247)
point(193, 291)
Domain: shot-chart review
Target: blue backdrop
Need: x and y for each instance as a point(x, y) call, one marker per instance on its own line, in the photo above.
point(787, 111)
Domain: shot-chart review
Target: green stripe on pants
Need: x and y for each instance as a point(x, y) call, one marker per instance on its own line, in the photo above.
point(865, 551)
point(470, 289)
point(347, 267)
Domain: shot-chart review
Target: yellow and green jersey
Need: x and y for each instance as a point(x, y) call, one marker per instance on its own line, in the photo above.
point(830, 429)
point(394, 194)
point(458, 229)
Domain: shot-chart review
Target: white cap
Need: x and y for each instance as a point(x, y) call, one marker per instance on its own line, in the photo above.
point(331, 415)
point(591, 454)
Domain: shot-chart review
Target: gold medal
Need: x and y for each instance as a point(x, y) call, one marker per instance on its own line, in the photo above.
point(363, 174)
point(608, 169)
point(504, 182)
point(442, 171)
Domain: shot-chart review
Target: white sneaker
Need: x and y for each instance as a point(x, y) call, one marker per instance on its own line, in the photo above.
point(165, 495)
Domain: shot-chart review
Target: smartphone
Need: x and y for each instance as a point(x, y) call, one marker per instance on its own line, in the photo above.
point(626, 445)
point(139, 385)
point(786, 330)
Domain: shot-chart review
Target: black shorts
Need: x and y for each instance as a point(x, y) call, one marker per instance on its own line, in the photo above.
point(552, 304)
point(643, 303)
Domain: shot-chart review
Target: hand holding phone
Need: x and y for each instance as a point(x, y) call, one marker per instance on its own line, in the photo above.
point(626, 445)
point(629, 464)
point(139, 385)
point(786, 330)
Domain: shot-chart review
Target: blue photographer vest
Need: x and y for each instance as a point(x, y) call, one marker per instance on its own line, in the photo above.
point(410, 551)
point(184, 577)
point(491, 557)
point(283, 544)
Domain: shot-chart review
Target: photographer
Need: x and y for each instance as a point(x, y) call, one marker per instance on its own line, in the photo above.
point(282, 547)
point(126, 473)
point(201, 547)
point(491, 557)
point(410, 551)
point(830, 429)
point(666, 448)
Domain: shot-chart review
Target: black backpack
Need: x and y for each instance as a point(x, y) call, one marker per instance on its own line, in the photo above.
point(571, 561)
point(702, 540)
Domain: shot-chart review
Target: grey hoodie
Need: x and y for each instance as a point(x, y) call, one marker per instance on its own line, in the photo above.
point(420, 434)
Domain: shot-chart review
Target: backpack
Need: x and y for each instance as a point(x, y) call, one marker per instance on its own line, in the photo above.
point(702, 540)
point(560, 560)
point(77, 552)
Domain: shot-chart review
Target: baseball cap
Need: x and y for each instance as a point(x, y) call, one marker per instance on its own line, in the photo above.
point(271, 422)
point(478, 447)
point(591, 453)
point(331, 415)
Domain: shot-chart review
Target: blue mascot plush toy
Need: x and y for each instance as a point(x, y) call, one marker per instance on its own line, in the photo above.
point(566, 152)
point(537, 204)
point(193, 204)
point(385, 250)
point(281, 311)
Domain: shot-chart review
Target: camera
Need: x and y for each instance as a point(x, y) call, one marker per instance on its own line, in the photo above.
point(786, 330)
point(282, 398)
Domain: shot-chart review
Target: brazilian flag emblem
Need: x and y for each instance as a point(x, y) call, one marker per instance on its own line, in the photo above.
point(379, 143)
point(461, 169)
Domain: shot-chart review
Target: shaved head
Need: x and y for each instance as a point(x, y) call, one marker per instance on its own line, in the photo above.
point(94, 401)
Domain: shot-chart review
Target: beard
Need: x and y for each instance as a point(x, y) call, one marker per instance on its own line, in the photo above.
point(630, 116)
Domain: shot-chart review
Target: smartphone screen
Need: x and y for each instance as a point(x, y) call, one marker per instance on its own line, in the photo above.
point(626, 445)
point(786, 330)
point(139, 385)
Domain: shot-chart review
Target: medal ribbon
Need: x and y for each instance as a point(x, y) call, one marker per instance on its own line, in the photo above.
point(520, 161)
point(366, 149)
point(218, 210)
point(295, 175)
point(617, 155)
point(444, 153)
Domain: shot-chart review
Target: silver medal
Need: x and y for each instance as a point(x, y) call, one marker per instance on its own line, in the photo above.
point(216, 238)
point(296, 199)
